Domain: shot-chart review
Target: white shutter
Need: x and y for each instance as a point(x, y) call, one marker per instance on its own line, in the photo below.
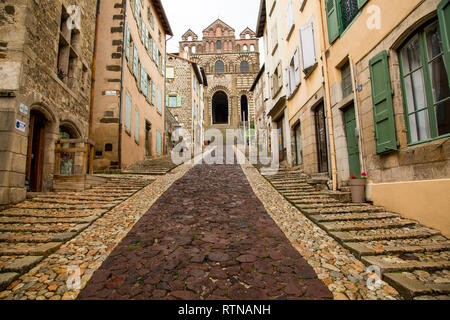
point(289, 17)
point(297, 75)
point(308, 46)
point(286, 81)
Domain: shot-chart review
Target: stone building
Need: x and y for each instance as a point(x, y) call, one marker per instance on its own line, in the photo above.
point(230, 65)
point(46, 55)
point(129, 89)
point(186, 83)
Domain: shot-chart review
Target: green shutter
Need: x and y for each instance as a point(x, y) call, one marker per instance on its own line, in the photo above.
point(383, 111)
point(127, 45)
point(332, 20)
point(178, 101)
point(361, 3)
point(443, 11)
point(167, 100)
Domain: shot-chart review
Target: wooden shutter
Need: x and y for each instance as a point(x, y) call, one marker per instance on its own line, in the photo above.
point(163, 66)
point(127, 44)
point(127, 112)
point(135, 62)
point(280, 76)
point(158, 142)
point(178, 101)
point(443, 11)
point(298, 79)
point(332, 20)
point(153, 93)
point(308, 44)
point(167, 100)
point(286, 81)
point(136, 126)
point(383, 112)
point(289, 16)
point(146, 38)
point(361, 3)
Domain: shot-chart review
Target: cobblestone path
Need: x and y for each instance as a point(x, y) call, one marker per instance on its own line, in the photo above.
point(207, 237)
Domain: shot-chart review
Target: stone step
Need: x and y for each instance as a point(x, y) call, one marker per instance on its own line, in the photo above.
point(366, 224)
point(346, 209)
point(6, 278)
point(75, 201)
point(410, 286)
point(383, 234)
point(51, 213)
point(324, 200)
point(20, 264)
point(28, 249)
point(393, 263)
point(336, 205)
point(352, 216)
point(44, 206)
point(36, 237)
point(39, 220)
point(79, 198)
point(398, 246)
point(47, 228)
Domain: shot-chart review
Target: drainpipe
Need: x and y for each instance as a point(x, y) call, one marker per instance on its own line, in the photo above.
point(166, 144)
point(358, 119)
point(119, 150)
point(328, 104)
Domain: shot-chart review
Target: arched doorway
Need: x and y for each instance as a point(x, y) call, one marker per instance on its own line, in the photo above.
point(220, 108)
point(36, 149)
point(244, 108)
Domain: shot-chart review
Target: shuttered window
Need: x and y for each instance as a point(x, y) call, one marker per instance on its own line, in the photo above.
point(289, 18)
point(136, 126)
point(308, 45)
point(127, 112)
point(153, 93)
point(383, 112)
point(159, 101)
point(172, 101)
point(127, 39)
point(135, 61)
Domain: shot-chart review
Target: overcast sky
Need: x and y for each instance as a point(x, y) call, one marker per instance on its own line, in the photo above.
point(199, 14)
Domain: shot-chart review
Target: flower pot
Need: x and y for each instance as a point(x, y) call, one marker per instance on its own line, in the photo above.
point(358, 190)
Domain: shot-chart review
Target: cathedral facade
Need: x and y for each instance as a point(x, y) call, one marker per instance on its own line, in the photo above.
point(231, 65)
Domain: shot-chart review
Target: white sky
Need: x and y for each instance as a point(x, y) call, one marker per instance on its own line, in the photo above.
point(199, 14)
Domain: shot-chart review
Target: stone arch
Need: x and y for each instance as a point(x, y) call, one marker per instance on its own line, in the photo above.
point(220, 108)
point(73, 127)
point(219, 67)
point(46, 111)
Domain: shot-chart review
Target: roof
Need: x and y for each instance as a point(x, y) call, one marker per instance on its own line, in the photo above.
point(218, 20)
point(162, 16)
point(260, 73)
point(261, 19)
point(199, 72)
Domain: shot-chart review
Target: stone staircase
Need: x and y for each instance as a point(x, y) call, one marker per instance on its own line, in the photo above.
point(34, 229)
point(154, 167)
point(412, 258)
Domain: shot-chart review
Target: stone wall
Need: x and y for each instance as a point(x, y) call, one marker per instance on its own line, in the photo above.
point(29, 75)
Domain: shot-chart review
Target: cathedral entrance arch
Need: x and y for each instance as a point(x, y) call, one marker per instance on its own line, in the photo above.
point(220, 109)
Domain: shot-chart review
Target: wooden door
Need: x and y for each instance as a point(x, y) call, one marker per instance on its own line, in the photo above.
point(35, 156)
point(352, 141)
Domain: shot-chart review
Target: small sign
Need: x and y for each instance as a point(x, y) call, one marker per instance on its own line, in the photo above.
point(24, 109)
point(21, 126)
point(360, 87)
point(110, 93)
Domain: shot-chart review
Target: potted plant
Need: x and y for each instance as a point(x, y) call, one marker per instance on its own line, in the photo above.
point(358, 188)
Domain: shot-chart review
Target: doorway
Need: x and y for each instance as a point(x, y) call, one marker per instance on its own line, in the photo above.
point(148, 139)
point(244, 108)
point(352, 141)
point(298, 144)
point(220, 108)
point(321, 138)
point(36, 149)
point(282, 150)
point(67, 162)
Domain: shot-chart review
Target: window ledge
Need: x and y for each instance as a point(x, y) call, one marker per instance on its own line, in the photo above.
point(289, 34)
point(444, 137)
point(308, 71)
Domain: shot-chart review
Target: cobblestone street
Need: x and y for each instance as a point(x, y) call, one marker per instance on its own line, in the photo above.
point(207, 237)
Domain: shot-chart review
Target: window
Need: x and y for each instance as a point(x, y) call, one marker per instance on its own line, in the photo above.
point(346, 74)
point(158, 142)
point(172, 101)
point(276, 82)
point(244, 67)
point(274, 38)
point(425, 85)
point(340, 14)
point(245, 48)
point(135, 62)
point(252, 48)
point(127, 113)
point(108, 147)
point(292, 74)
point(308, 43)
point(219, 67)
point(219, 45)
point(153, 93)
point(159, 100)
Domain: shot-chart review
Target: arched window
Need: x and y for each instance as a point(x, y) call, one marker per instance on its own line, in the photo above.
point(244, 67)
point(189, 38)
point(219, 45)
point(186, 49)
point(218, 32)
point(252, 48)
point(247, 36)
point(220, 67)
point(193, 49)
point(245, 48)
point(244, 108)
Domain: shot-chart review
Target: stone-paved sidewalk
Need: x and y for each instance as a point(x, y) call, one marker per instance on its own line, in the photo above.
point(206, 237)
